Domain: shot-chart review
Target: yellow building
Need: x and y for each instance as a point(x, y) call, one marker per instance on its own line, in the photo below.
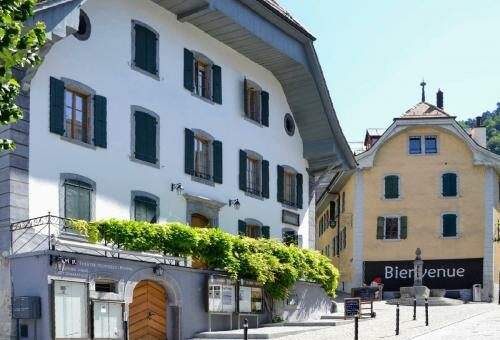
point(423, 182)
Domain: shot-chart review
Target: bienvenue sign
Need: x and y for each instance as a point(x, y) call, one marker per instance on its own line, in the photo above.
point(444, 274)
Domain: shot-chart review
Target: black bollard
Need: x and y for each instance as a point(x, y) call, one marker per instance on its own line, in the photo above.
point(397, 319)
point(426, 312)
point(415, 309)
point(356, 320)
point(245, 329)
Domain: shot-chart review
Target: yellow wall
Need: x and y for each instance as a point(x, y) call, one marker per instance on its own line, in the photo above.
point(496, 227)
point(421, 201)
point(343, 261)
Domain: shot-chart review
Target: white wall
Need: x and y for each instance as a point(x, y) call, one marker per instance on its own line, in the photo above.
point(103, 63)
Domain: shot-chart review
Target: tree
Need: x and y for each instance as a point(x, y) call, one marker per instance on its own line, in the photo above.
point(490, 120)
point(18, 49)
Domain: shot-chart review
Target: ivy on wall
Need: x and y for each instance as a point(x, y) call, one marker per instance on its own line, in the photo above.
point(274, 264)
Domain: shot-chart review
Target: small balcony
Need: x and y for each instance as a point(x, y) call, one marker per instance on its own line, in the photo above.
point(53, 233)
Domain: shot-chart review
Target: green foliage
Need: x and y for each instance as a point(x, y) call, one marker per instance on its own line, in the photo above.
point(491, 120)
point(18, 48)
point(274, 264)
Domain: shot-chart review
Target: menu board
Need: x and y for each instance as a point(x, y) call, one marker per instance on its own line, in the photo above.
point(351, 307)
point(250, 299)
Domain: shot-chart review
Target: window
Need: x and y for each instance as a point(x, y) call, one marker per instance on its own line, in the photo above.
point(289, 188)
point(391, 187)
point(391, 230)
point(145, 49)
point(108, 321)
point(145, 209)
point(77, 113)
point(252, 228)
point(449, 225)
point(449, 185)
point(335, 249)
point(415, 145)
point(105, 286)
point(418, 143)
point(430, 144)
point(253, 176)
point(70, 310)
point(77, 199)
point(289, 124)
point(290, 237)
point(146, 134)
point(343, 201)
point(76, 116)
point(203, 156)
point(256, 103)
point(253, 231)
point(202, 77)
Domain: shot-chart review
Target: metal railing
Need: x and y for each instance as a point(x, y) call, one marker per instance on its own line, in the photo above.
point(55, 233)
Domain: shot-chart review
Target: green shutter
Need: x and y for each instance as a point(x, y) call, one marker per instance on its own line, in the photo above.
point(404, 227)
point(100, 118)
point(300, 192)
point(242, 228)
point(243, 171)
point(188, 70)
point(380, 228)
point(188, 152)
point(264, 102)
point(449, 225)
point(56, 106)
point(245, 97)
point(449, 185)
point(145, 137)
point(265, 179)
point(280, 184)
point(217, 147)
point(266, 233)
point(145, 49)
point(217, 84)
point(391, 187)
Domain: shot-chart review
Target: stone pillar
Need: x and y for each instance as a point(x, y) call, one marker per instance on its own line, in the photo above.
point(418, 266)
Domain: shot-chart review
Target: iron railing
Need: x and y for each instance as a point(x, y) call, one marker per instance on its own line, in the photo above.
point(55, 233)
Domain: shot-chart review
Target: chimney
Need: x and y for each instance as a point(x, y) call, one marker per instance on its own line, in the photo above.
point(439, 99)
point(478, 133)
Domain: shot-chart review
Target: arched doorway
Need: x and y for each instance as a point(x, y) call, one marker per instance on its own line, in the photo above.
point(148, 312)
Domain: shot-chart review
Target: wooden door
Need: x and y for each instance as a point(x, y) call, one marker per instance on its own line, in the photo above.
point(148, 312)
point(199, 221)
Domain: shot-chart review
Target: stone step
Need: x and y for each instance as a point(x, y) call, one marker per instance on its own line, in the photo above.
point(258, 333)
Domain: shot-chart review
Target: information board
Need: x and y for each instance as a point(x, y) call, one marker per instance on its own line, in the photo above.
point(352, 307)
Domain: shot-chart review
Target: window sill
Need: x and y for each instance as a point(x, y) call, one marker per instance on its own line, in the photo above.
point(140, 161)
point(205, 99)
point(203, 181)
point(291, 207)
point(155, 76)
point(257, 197)
point(449, 197)
point(391, 199)
point(80, 143)
point(392, 239)
point(252, 121)
point(449, 237)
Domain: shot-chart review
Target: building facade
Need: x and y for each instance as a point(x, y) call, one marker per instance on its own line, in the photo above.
point(208, 113)
point(424, 183)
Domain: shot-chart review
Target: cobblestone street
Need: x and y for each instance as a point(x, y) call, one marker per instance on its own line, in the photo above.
point(468, 321)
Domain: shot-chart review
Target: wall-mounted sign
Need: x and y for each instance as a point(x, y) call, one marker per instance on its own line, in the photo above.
point(250, 297)
point(26, 307)
point(221, 294)
point(351, 307)
point(440, 274)
point(290, 218)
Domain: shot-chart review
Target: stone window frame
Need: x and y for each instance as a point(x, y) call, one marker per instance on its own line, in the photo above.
point(133, 110)
point(457, 225)
point(63, 177)
point(82, 88)
point(139, 193)
point(289, 117)
point(204, 135)
point(132, 57)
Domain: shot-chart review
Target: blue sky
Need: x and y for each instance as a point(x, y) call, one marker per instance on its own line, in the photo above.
point(375, 53)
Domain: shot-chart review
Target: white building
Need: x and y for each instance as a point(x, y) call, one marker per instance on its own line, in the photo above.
point(135, 99)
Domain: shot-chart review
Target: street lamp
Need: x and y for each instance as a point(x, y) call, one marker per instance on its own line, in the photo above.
point(177, 187)
point(158, 270)
point(234, 203)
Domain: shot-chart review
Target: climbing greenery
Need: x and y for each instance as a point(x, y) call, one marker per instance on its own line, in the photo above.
point(19, 48)
point(274, 264)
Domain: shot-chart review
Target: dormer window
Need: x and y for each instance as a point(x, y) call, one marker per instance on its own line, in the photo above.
point(256, 103)
point(202, 77)
point(418, 145)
